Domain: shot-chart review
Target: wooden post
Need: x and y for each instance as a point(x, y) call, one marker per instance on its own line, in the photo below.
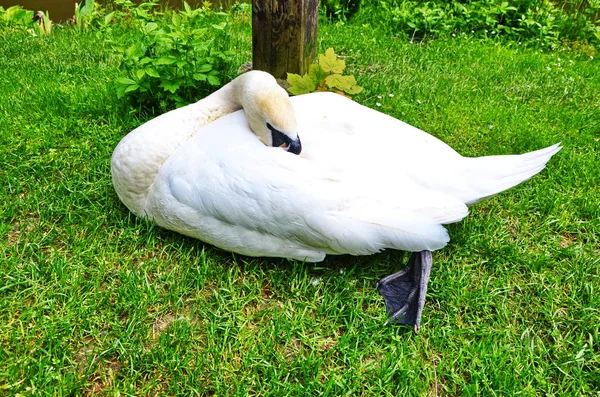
point(284, 35)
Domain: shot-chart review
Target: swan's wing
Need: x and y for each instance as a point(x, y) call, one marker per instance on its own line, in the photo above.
point(335, 131)
point(326, 119)
point(230, 190)
point(345, 135)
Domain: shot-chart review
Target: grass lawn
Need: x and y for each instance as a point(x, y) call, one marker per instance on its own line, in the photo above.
point(95, 301)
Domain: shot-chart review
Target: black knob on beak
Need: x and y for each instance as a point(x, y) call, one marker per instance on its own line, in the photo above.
point(279, 139)
point(295, 146)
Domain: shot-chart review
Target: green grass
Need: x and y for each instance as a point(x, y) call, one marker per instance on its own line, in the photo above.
point(95, 301)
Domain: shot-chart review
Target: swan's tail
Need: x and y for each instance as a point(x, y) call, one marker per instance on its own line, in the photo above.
point(491, 175)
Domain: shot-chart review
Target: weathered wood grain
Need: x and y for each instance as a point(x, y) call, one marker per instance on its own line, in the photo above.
point(284, 35)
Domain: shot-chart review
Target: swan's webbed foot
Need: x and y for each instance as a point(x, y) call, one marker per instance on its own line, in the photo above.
point(404, 291)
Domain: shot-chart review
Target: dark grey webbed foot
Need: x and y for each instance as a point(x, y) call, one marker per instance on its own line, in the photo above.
point(404, 291)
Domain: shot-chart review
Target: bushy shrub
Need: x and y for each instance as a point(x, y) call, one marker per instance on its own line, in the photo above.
point(16, 17)
point(178, 58)
point(580, 19)
point(541, 21)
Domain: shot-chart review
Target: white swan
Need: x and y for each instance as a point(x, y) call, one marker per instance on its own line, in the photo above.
point(363, 182)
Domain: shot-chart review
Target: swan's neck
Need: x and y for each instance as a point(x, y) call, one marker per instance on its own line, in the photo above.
point(139, 156)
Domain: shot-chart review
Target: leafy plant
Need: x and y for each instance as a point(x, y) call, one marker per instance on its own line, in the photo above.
point(174, 62)
point(83, 11)
point(44, 23)
point(324, 76)
point(543, 22)
point(15, 16)
point(580, 19)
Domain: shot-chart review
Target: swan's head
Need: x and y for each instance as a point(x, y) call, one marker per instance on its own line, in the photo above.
point(269, 111)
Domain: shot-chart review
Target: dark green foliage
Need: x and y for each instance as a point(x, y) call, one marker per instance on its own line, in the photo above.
point(542, 21)
point(175, 60)
point(340, 9)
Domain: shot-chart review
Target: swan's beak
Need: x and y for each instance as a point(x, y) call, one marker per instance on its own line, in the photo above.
point(295, 146)
point(279, 139)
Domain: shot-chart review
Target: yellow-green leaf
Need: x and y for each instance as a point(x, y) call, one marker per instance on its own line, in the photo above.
point(340, 82)
point(316, 74)
point(356, 89)
point(300, 84)
point(329, 62)
point(343, 83)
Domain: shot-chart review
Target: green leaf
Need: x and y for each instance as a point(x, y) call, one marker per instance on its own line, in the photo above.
point(125, 81)
point(176, 19)
point(125, 85)
point(300, 84)
point(329, 62)
point(108, 17)
point(86, 7)
point(152, 72)
point(220, 26)
point(140, 73)
point(199, 76)
point(171, 86)
point(142, 13)
point(165, 61)
point(130, 51)
point(132, 87)
point(213, 80)
point(150, 26)
point(207, 67)
point(120, 90)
